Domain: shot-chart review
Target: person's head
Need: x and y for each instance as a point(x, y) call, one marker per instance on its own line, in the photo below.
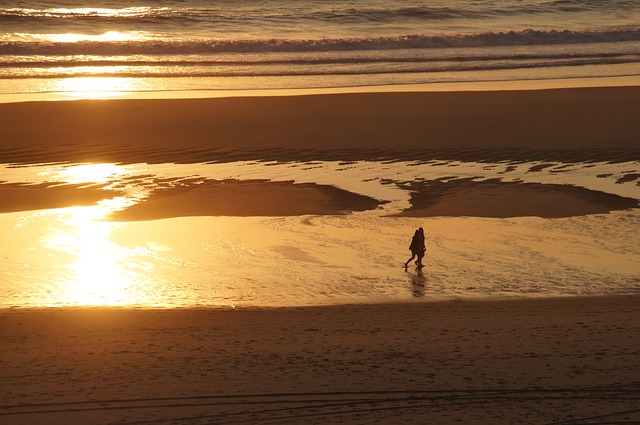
point(421, 230)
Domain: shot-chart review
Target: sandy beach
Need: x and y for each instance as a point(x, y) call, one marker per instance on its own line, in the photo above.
point(552, 361)
point(210, 212)
point(501, 222)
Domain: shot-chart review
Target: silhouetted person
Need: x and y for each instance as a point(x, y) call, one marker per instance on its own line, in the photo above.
point(417, 248)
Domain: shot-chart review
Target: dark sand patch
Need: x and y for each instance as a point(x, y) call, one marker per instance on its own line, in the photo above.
point(494, 198)
point(245, 198)
point(629, 178)
point(23, 197)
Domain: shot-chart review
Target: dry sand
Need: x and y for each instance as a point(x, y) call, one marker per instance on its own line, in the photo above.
point(541, 361)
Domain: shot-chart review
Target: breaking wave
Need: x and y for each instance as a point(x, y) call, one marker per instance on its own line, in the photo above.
point(211, 46)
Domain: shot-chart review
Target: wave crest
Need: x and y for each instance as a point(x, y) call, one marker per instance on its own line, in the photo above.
point(199, 46)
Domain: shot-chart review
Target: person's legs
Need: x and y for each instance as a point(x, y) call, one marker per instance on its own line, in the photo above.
point(413, 255)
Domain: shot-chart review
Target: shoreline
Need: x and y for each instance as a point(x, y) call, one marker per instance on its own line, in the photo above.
point(511, 85)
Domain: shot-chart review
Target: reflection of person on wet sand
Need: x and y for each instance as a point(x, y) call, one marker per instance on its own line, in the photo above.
point(418, 282)
point(417, 248)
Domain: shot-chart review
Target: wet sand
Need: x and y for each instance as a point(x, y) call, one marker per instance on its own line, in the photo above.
point(580, 124)
point(453, 198)
point(245, 198)
point(30, 197)
point(566, 360)
point(194, 198)
point(493, 198)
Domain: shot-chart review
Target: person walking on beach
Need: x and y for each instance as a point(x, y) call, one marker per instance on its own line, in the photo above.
point(417, 248)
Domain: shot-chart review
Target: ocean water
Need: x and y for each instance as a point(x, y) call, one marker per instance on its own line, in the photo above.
point(142, 45)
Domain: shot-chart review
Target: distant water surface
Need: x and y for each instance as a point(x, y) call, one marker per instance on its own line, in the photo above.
point(137, 45)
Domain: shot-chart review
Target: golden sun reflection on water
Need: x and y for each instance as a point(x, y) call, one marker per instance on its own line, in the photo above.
point(95, 87)
point(92, 173)
point(80, 81)
point(96, 274)
point(107, 36)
